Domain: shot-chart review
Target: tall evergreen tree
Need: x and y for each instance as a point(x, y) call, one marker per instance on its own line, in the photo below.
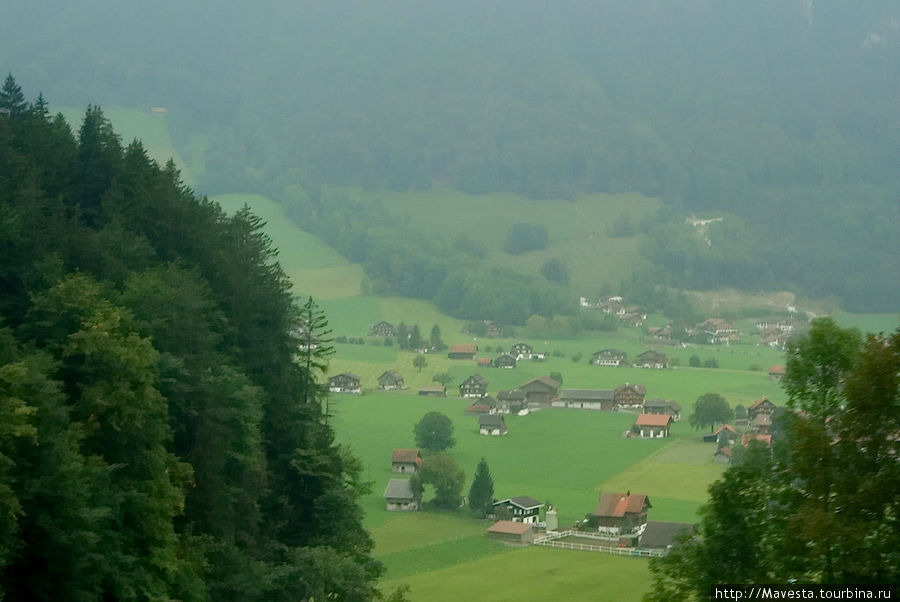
point(12, 101)
point(481, 493)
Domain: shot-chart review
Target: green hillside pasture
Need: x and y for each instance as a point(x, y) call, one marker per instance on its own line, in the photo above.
point(131, 123)
point(313, 266)
point(578, 230)
point(535, 573)
point(682, 471)
point(353, 316)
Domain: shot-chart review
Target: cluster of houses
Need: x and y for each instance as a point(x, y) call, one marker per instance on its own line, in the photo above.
point(615, 305)
point(616, 357)
point(756, 427)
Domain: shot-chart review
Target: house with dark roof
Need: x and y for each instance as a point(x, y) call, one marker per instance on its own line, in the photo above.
point(726, 435)
point(540, 391)
point(653, 426)
point(492, 330)
point(383, 329)
point(651, 359)
point(763, 406)
point(484, 405)
point(662, 535)
point(511, 532)
point(474, 386)
point(433, 391)
point(621, 513)
point(521, 351)
point(492, 424)
point(521, 509)
point(399, 497)
point(465, 351)
point(344, 383)
point(390, 380)
point(662, 406)
point(405, 460)
point(505, 360)
point(610, 357)
point(719, 330)
point(630, 396)
point(511, 401)
point(585, 399)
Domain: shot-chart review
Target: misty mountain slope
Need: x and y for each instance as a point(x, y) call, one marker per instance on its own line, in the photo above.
point(780, 113)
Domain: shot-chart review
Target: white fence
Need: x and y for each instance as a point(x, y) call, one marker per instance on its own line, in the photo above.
point(552, 540)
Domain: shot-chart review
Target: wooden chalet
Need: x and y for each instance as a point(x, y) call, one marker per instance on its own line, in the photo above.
point(586, 399)
point(763, 406)
point(492, 330)
point(663, 406)
point(610, 357)
point(511, 401)
point(651, 359)
point(630, 396)
point(344, 383)
point(653, 426)
point(473, 387)
point(464, 351)
point(484, 405)
point(383, 329)
point(390, 380)
point(621, 513)
point(521, 509)
point(505, 360)
point(405, 460)
point(522, 351)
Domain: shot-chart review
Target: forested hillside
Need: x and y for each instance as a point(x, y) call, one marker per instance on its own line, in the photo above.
point(778, 115)
point(158, 438)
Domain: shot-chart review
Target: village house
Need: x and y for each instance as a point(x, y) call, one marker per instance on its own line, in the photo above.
point(776, 373)
point(621, 514)
point(651, 359)
point(662, 406)
point(610, 357)
point(511, 401)
point(725, 436)
point(521, 351)
point(653, 425)
point(398, 496)
point(718, 330)
point(344, 383)
point(630, 396)
point(491, 424)
point(474, 386)
point(511, 532)
point(484, 405)
point(390, 380)
point(484, 362)
point(465, 351)
point(405, 460)
point(383, 329)
point(521, 509)
point(492, 330)
point(586, 399)
point(540, 391)
point(505, 361)
point(763, 406)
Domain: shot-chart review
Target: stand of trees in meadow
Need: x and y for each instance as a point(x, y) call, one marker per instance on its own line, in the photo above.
point(161, 434)
point(776, 114)
point(821, 506)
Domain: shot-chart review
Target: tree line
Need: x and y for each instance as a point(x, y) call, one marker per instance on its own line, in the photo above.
point(162, 435)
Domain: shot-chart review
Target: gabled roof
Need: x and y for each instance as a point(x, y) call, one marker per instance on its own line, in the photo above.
point(523, 501)
point(777, 370)
point(613, 352)
point(511, 395)
point(726, 427)
point(587, 394)
point(464, 348)
point(760, 403)
point(508, 527)
point(521, 344)
point(653, 420)
point(656, 403)
point(674, 405)
point(544, 380)
point(661, 535)
point(475, 379)
point(618, 504)
point(398, 489)
point(349, 375)
point(406, 456)
point(491, 421)
point(639, 388)
point(391, 374)
point(650, 353)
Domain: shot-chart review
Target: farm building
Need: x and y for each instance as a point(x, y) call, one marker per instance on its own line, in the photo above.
point(511, 532)
point(621, 513)
point(539, 391)
point(463, 352)
point(661, 535)
point(485, 405)
point(653, 425)
point(651, 359)
point(390, 380)
point(344, 383)
point(718, 330)
point(510, 402)
point(630, 396)
point(662, 406)
point(777, 372)
point(521, 509)
point(484, 362)
point(610, 357)
point(398, 496)
point(433, 391)
point(505, 361)
point(474, 386)
point(491, 424)
point(586, 399)
point(383, 329)
point(405, 460)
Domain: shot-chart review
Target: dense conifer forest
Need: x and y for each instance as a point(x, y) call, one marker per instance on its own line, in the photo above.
point(158, 437)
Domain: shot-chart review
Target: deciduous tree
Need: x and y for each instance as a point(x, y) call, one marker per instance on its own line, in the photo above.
point(434, 432)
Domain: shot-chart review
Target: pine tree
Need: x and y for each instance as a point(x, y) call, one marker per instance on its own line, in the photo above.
point(481, 493)
point(12, 101)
